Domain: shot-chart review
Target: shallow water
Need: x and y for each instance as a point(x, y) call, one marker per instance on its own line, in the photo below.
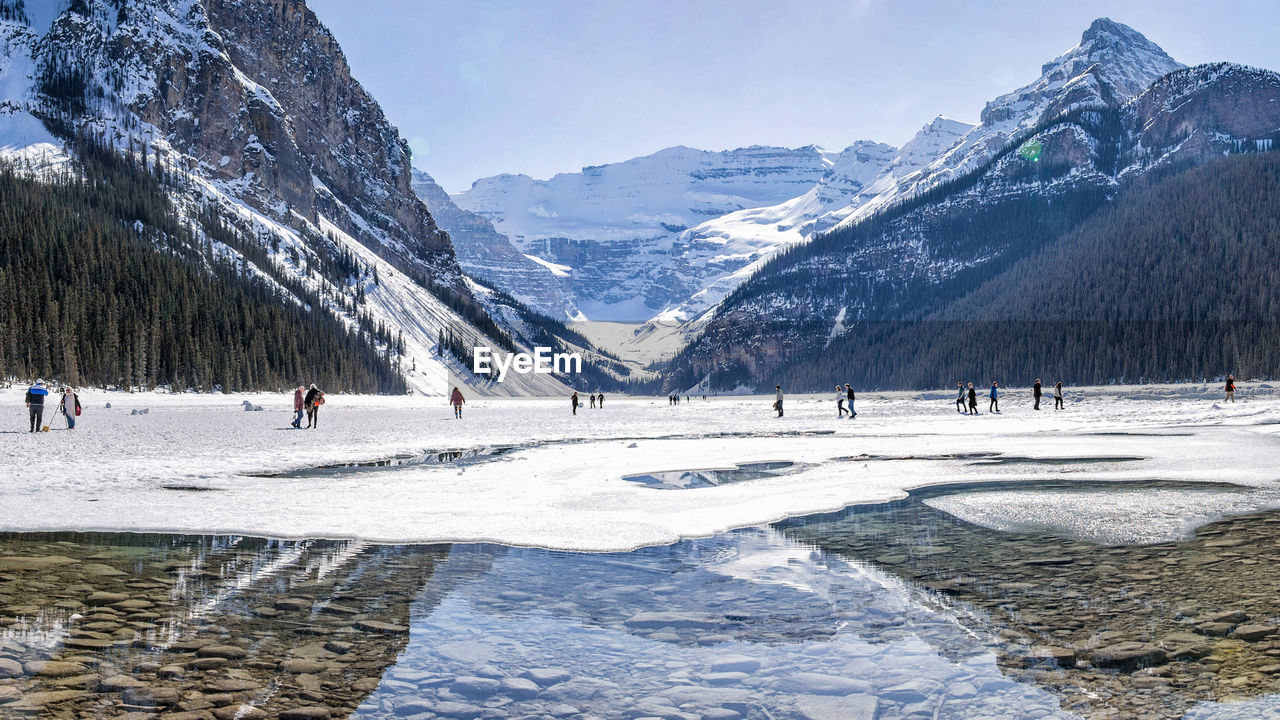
point(891, 611)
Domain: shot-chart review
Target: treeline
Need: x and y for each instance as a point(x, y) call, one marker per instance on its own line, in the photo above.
point(1179, 279)
point(101, 283)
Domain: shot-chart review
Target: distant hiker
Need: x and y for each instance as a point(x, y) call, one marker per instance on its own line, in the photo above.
point(1037, 391)
point(1057, 396)
point(574, 402)
point(777, 404)
point(70, 406)
point(839, 401)
point(1231, 388)
point(592, 401)
point(960, 403)
point(457, 400)
point(35, 404)
point(600, 401)
point(973, 400)
point(299, 407)
point(312, 401)
point(848, 392)
point(994, 405)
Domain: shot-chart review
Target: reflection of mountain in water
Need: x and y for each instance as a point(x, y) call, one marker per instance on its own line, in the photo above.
point(1129, 631)
point(218, 626)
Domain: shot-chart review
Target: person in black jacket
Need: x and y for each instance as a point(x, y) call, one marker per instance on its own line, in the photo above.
point(35, 404)
point(973, 400)
point(1231, 388)
point(848, 391)
point(573, 401)
point(1037, 391)
point(312, 401)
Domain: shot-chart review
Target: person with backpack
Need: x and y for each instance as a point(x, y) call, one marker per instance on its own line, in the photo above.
point(313, 400)
point(848, 391)
point(973, 400)
point(457, 400)
point(839, 401)
point(573, 401)
point(299, 407)
point(960, 403)
point(1037, 391)
point(35, 404)
point(1231, 388)
point(70, 403)
point(777, 405)
point(1057, 396)
point(994, 406)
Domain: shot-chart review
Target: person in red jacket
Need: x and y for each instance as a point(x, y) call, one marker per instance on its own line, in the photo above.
point(456, 400)
point(298, 407)
point(1231, 388)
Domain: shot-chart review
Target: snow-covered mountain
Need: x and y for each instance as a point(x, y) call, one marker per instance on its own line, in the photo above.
point(1046, 157)
point(617, 230)
point(250, 109)
point(487, 254)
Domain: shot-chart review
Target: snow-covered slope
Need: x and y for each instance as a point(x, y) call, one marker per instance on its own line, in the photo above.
point(485, 253)
point(616, 229)
point(1112, 64)
point(251, 107)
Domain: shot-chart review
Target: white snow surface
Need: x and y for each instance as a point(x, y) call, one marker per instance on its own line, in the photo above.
point(563, 486)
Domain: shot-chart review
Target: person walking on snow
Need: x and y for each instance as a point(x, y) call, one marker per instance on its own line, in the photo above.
point(313, 400)
point(973, 400)
point(1057, 396)
point(457, 400)
point(994, 405)
point(848, 392)
point(960, 404)
point(70, 406)
point(600, 401)
point(777, 404)
point(574, 402)
point(299, 407)
point(1231, 388)
point(1037, 391)
point(592, 401)
point(839, 401)
point(35, 404)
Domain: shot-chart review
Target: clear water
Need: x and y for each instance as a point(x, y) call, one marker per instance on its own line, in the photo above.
point(892, 611)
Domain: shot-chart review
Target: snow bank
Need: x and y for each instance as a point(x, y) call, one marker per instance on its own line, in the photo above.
point(189, 464)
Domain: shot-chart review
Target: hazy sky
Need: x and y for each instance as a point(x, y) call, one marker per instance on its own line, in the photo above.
point(481, 87)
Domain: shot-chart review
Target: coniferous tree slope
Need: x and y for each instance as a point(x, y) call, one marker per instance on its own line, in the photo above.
point(1179, 279)
point(102, 284)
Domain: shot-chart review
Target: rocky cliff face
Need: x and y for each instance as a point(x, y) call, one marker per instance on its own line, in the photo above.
point(250, 110)
point(252, 94)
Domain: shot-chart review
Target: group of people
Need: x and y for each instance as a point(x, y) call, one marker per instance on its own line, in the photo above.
point(596, 401)
point(967, 399)
point(307, 400)
point(68, 405)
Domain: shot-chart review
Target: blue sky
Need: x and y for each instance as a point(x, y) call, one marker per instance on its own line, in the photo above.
point(482, 87)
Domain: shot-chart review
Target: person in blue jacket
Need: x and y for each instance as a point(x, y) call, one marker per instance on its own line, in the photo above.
point(35, 404)
point(994, 406)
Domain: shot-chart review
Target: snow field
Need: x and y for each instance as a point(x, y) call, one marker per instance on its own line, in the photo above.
point(563, 487)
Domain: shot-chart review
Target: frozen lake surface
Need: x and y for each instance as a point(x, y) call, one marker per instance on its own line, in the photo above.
point(527, 472)
point(1093, 563)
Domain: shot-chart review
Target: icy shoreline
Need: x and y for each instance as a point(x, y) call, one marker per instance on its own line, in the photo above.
point(561, 487)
